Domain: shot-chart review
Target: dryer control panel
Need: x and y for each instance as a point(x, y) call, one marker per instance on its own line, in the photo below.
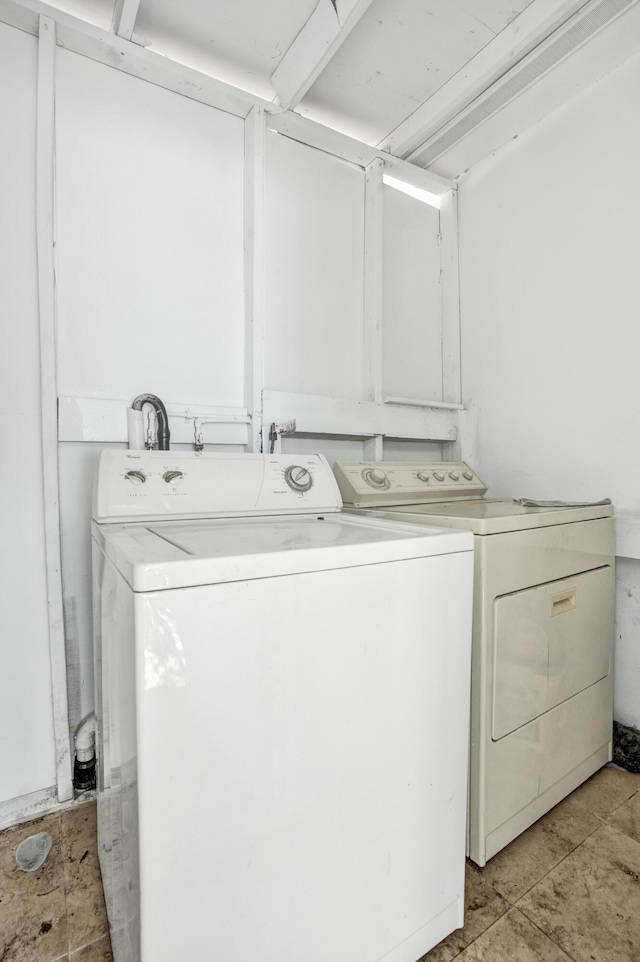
point(383, 483)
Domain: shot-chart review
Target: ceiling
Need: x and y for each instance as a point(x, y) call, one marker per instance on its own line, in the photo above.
point(398, 55)
point(392, 73)
point(394, 58)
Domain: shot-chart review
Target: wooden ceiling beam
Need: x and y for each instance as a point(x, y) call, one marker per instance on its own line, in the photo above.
point(322, 35)
point(124, 18)
point(519, 37)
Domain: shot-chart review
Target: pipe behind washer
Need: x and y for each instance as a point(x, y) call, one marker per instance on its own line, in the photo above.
point(164, 436)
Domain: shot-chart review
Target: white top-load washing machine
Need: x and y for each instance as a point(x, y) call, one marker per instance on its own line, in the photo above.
point(275, 681)
point(541, 706)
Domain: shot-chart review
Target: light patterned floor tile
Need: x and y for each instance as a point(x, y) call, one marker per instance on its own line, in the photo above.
point(86, 912)
point(527, 859)
point(33, 923)
point(589, 905)
point(605, 791)
point(627, 818)
point(99, 951)
point(483, 906)
point(513, 939)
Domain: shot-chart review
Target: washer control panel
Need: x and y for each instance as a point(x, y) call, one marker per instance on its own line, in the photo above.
point(377, 483)
point(150, 485)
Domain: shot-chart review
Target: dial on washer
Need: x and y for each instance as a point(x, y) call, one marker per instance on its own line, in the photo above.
point(298, 478)
point(136, 477)
point(172, 477)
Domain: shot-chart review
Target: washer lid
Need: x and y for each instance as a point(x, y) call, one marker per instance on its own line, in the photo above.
point(179, 554)
point(486, 516)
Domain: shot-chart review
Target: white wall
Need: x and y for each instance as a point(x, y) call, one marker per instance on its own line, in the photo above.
point(549, 255)
point(149, 255)
point(27, 754)
point(150, 240)
point(314, 264)
point(411, 298)
point(149, 204)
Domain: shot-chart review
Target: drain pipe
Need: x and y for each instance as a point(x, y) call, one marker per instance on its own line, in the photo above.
point(164, 436)
point(84, 769)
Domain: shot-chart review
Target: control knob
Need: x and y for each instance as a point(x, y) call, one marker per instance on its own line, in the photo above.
point(422, 476)
point(376, 478)
point(454, 475)
point(136, 477)
point(467, 475)
point(438, 475)
point(298, 478)
point(173, 477)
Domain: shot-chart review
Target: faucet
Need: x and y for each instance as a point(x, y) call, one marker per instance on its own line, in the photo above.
point(161, 416)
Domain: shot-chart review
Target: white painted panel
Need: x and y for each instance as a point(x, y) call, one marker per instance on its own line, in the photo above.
point(450, 297)
point(255, 133)
point(105, 419)
point(297, 127)
point(549, 302)
point(627, 534)
point(317, 414)
point(373, 278)
point(334, 449)
point(150, 240)
point(411, 304)
point(349, 449)
point(627, 652)
point(314, 262)
point(26, 713)
point(78, 464)
point(411, 450)
point(548, 265)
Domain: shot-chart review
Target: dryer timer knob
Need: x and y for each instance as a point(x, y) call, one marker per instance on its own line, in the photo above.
point(376, 478)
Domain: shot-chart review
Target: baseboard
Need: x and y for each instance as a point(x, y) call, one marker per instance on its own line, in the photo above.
point(626, 747)
point(24, 808)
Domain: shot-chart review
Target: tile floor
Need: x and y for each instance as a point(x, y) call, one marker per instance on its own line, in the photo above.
point(567, 890)
point(57, 912)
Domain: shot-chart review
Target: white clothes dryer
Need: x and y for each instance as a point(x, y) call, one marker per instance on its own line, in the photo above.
point(273, 682)
point(543, 626)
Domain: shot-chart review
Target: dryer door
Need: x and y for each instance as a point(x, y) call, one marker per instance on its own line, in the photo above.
point(550, 642)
